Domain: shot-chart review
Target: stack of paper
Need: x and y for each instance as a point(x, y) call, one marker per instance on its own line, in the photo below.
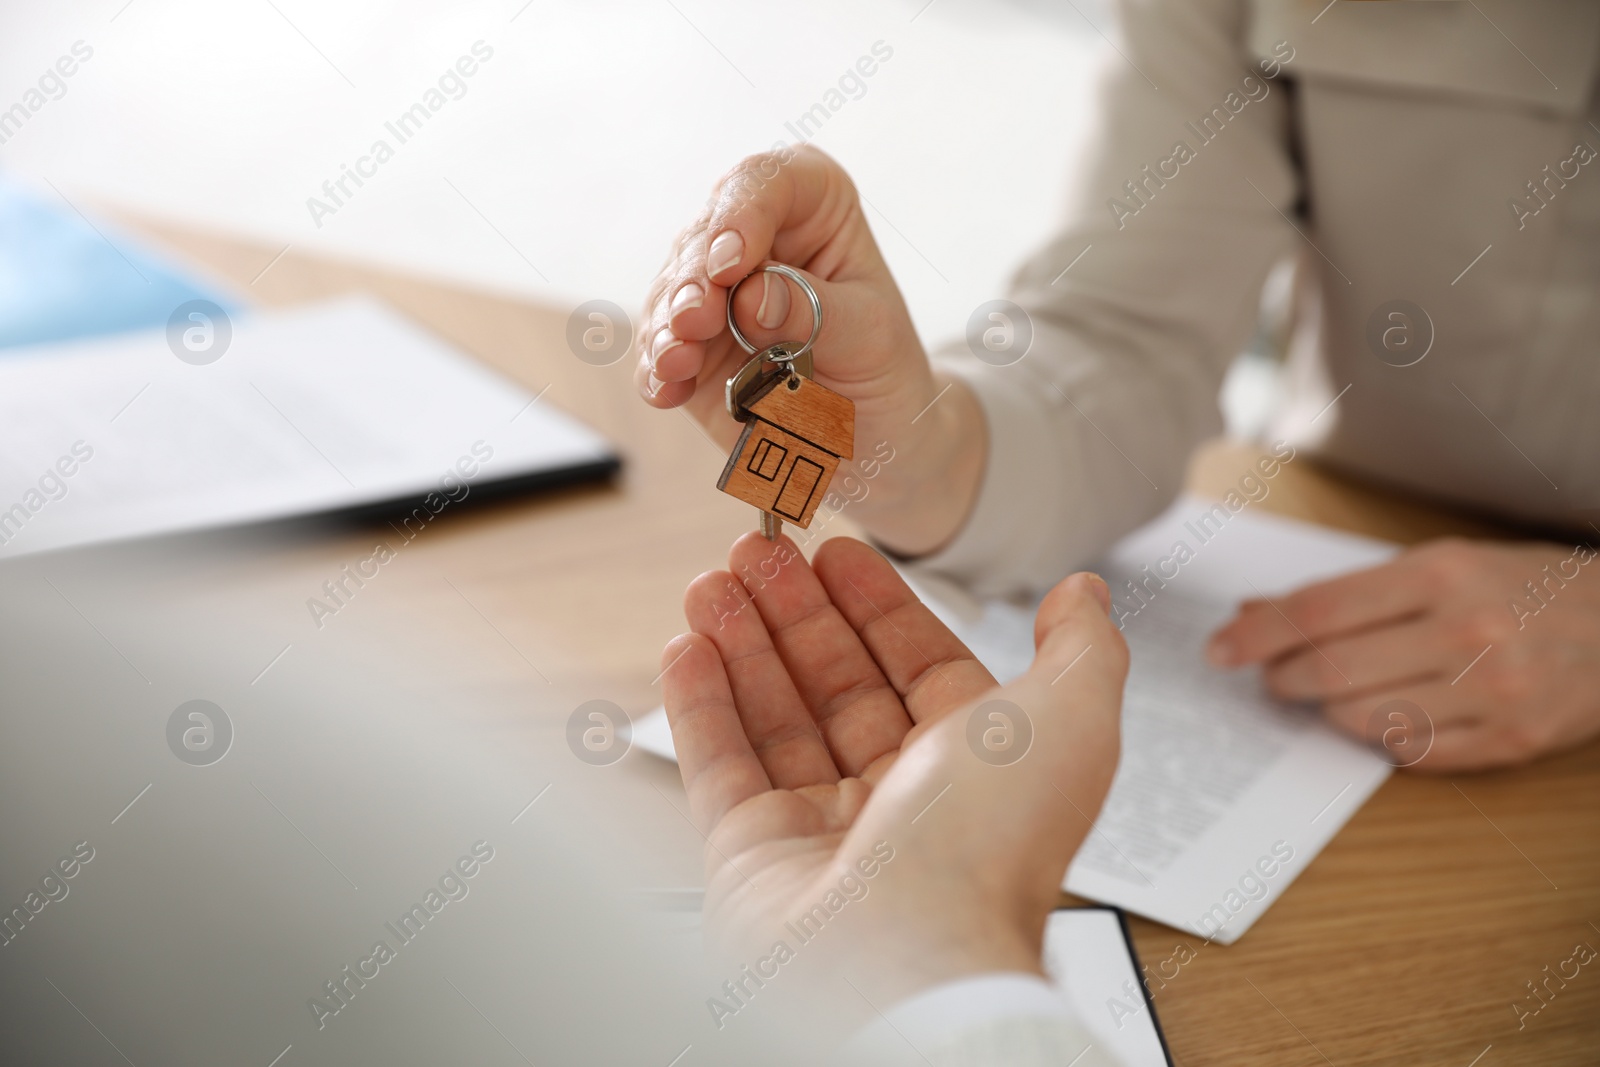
point(329, 407)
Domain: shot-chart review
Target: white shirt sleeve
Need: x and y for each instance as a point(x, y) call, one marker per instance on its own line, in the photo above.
point(990, 1019)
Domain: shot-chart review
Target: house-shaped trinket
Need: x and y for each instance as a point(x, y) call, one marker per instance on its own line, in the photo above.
point(795, 434)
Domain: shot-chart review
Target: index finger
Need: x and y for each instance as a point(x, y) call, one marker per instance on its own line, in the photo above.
point(720, 769)
point(1271, 626)
point(778, 205)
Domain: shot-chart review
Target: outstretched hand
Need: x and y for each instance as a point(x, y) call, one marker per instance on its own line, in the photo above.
point(822, 717)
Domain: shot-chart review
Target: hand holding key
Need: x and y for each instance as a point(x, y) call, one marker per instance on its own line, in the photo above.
point(799, 207)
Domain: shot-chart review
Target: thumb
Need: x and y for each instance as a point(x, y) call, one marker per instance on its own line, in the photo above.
point(1026, 767)
point(769, 308)
point(1074, 615)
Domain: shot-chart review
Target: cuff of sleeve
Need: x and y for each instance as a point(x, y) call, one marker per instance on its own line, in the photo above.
point(1013, 514)
point(940, 1013)
point(942, 1016)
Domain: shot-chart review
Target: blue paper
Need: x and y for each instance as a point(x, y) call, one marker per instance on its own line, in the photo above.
point(61, 277)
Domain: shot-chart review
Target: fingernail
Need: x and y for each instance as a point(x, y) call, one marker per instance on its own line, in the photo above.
point(724, 252)
point(690, 296)
point(1101, 592)
point(653, 384)
point(664, 342)
point(774, 303)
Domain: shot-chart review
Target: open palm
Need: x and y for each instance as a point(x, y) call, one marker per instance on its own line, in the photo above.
point(814, 728)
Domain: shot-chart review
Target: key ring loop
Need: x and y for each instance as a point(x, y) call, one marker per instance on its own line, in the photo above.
point(805, 287)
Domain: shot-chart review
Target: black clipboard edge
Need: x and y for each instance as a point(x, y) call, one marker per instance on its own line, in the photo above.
point(599, 470)
point(1138, 968)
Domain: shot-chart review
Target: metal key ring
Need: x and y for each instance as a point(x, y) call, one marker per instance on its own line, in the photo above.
point(805, 286)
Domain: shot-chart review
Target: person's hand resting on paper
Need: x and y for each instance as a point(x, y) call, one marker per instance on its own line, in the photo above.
point(799, 207)
point(1450, 627)
point(822, 732)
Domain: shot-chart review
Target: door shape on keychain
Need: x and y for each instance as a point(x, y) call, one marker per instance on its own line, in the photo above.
point(795, 434)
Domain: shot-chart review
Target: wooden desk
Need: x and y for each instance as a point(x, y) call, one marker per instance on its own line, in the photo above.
point(1407, 941)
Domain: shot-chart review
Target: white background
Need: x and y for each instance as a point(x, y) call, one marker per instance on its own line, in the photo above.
point(591, 137)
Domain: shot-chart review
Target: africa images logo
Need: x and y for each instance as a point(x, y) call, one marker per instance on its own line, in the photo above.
point(199, 733)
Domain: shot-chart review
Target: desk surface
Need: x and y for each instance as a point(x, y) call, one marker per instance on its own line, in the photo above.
point(1407, 942)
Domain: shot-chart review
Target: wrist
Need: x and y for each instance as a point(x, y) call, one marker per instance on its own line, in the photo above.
point(900, 963)
point(924, 497)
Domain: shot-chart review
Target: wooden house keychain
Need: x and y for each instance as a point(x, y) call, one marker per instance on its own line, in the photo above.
point(795, 431)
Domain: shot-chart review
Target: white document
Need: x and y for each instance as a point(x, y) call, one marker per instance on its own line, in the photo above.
point(321, 408)
point(1089, 958)
point(1223, 795)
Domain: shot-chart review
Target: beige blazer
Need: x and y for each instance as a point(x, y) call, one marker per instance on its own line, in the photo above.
point(1432, 169)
